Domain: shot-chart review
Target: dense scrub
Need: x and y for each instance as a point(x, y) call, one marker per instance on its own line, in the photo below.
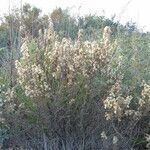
point(68, 88)
point(77, 95)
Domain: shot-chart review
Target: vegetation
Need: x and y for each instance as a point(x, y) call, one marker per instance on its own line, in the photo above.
point(73, 84)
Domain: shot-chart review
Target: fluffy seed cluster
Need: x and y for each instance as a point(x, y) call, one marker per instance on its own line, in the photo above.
point(118, 106)
point(144, 101)
point(63, 61)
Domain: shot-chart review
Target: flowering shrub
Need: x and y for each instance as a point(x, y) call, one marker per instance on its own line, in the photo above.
point(63, 62)
point(77, 95)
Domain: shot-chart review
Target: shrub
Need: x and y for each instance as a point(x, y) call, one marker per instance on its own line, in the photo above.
point(70, 95)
